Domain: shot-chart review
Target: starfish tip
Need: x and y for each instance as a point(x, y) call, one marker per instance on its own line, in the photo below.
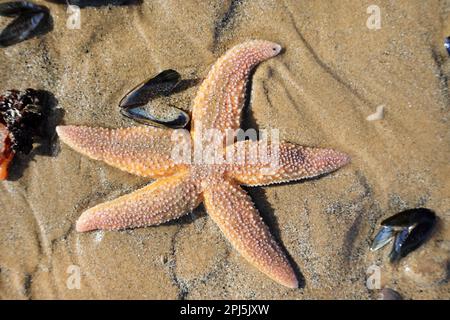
point(59, 130)
point(65, 133)
point(277, 48)
point(83, 224)
point(288, 279)
point(344, 158)
point(291, 283)
point(331, 159)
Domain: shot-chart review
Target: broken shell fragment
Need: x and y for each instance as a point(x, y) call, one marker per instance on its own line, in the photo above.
point(411, 228)
point(161, 84)
point(158, 116)
point(378, 115)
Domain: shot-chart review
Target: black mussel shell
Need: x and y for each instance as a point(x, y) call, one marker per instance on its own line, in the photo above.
point(167, 116)
point(161, 84)
point(400, 239)
point(15, 8)
point(413, 228)
point(22, 28)
point(416, 237)
point(28, 24)
point(97, 3)
point(409, 217)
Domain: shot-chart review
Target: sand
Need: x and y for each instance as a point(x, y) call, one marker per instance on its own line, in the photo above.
point(333, 73)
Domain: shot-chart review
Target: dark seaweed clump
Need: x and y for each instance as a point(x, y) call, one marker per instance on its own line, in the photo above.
point(23, 113)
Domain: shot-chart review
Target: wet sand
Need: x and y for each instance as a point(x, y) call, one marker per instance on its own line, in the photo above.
point(333, 73)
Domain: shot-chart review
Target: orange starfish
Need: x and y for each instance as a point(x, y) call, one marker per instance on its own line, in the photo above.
point(182, 186)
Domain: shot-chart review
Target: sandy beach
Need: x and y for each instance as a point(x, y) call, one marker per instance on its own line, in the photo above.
point(333, 73)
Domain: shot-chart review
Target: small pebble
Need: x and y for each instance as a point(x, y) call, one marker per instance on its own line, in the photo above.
point(389, 294)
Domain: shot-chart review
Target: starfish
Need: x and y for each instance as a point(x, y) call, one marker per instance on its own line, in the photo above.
point(182, 186)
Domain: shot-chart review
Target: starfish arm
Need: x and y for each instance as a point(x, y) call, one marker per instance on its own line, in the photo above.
point(233, 211)
point(141, 150)
point(163, 200)
point(220, 99)
point(258, 163)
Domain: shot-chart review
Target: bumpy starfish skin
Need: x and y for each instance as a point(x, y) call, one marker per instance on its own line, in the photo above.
point(164, 200)
point(294, 163)
point(144, 151)
point(221, 96)
point(181, 187)
point(233, 211)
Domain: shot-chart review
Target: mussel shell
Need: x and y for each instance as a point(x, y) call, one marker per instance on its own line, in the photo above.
point(161, 84)
point(411, 228)
point(417, 236)
point(411, 238)
point(400, 239)
point(383, 237)
point(167, 116)
point(409, 217)
point(25, 26)
point(12, 9)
